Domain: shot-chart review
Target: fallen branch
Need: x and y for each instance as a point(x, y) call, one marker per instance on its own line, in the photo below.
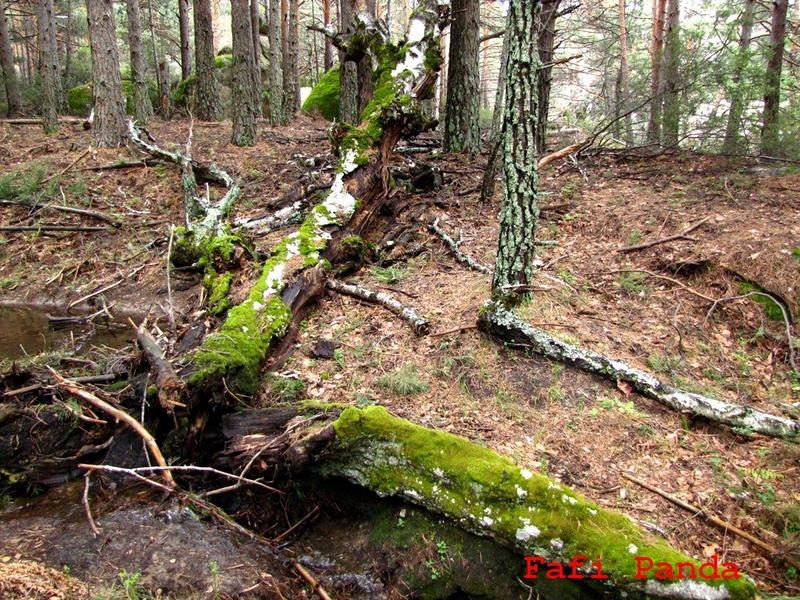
point(546, 160)
point(69, 209)
point(87, 509)
point(80, 392)
point(52, 228)
point(68, 167)
point(683, 235)
point(506, 325)
point(168, 383)
point(665, 278)
point(453, 247)
point(716, 521)
point(418, 323)
point(318, 589)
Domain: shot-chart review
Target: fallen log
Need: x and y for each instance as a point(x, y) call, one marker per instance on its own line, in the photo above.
point(507, 326)
point(170, 387)
point(419, 324)
point(480, 491)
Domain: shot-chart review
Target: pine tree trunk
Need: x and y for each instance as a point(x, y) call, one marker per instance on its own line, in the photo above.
point(672, 57)
point(68, 50)
point(142, 108)
point(164, 96)
point(348, 74)
point(462, 109)
point(623, 86)
point(207, 94)
point(656, 59)
point(770, 132)
point(183, 29)
point(49, 75)
point(291, 61)
point(277, 116)
point(7, 63)
point(255, 31)
point(519, 212)
point(488, 184)
point(546, 48)
point(109, 107)
point(30, 62)
point(243, 96)
point(737, 96)
point(326, 19)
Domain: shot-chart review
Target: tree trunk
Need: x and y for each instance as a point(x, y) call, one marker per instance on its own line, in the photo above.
point(142, 108)
point(770, 132)
point(546, 47)
point(348, 73)
point(326, 20)
point(7, 63)
point(207, 94)
point(184, 35)
point(49, 75)
point(488, 183)
point(462, 109)
point(164, 95)
point(672, 57)
point(291, 59)
point(623, 86)
point(519, 211)
point(67, 51)
point(255, 27)
point(656, 85)
point(109, 107)
point(243, 102)
point(737, 93)
point(277, 116)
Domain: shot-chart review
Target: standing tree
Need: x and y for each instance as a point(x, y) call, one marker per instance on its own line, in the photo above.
point(291, 60)
point(462, 109)
point(348, 72)
point(142, 108)
point(656, 85)
point(622, 89)
point(109, 107)
point(48, 66)
point(672, 57)
point(207, 95)
point(244, 103)
point(546, 47)
point(184, 36)
point(737, 96)
point(7, 63)
point(519, 212)
point(277, 115)
point(770, 132)
point(326, 20)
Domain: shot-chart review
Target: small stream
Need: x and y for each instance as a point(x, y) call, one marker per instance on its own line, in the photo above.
point(25, 331)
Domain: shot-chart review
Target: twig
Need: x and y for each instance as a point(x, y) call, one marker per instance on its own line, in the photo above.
point(74, 389)
point(456, 330)
point(572, 149)
point(106, 288)
point(195, 469)
point(87, 509)
point(81, 416)
point(68, 167)
point(113, 469)
point(310, 580)
point(715, 520)
point(171, 314)
point(670, 238)
point(670, 279)
point(453, 246)
point(313, 512)
point(418, 323)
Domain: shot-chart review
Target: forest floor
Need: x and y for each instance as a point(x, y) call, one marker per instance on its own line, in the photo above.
point(673, 309)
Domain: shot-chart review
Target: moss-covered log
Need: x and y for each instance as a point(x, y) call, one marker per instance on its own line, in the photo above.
point(482, 492)
point(507, 326)
point(294, 274)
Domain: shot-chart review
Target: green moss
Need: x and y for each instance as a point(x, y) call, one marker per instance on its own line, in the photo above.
point(79, 99)
point(185, 89)
point(223, 61)
point(324, 98)
point(218, 287)
point(355, 248)
point(489, 495)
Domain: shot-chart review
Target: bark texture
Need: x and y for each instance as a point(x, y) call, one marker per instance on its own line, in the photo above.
point(621, 104)
point(737, 96)
point(488, 183)
point(348, 73)
point(507, 326)
point(770, 132)
point(672, 56)
point(546, 46)
point(207, 94)
point(244, 101)
point(656, 78)
point(519, 212)
point(277, 115)
point(7, 63)
point(291, 60)
point(142, 108)
point(462, 109)
point(49, 75)
point(109, 107)
point(184, 35)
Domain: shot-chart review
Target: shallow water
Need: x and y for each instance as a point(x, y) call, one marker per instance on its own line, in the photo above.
point(25, 331)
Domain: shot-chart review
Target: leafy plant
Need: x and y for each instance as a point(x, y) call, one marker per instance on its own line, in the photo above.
point(664, 364)
point(634, 238)
point(626, 407)
point(631, 281)
point(403, 381)
point(288, 389)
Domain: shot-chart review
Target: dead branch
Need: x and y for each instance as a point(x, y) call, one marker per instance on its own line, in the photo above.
point(318, 589)
point(418, 323)
point(665, 278)
point(683, 235)
point(108, 287)
point(169, 384)
point(68, 209)
point(80, 392)
point(52, 228)
point(88, 509)
point(716, 521)
point(68, 167)
point(546, 160)
point(507, 326)
point(452, 245)
point(39, 121)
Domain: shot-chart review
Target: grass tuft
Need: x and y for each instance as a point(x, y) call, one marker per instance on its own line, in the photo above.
point(404, 381)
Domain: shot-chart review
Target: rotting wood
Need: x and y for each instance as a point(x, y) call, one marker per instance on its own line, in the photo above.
point(170, 387)
point(505, 325)
point(724, 525)
point(452, 245)
point(683, 235)
point(80, 392)
point(571, 149)
point(419, 324)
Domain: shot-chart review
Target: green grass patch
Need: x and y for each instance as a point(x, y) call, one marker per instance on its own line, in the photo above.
point(404, 381)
